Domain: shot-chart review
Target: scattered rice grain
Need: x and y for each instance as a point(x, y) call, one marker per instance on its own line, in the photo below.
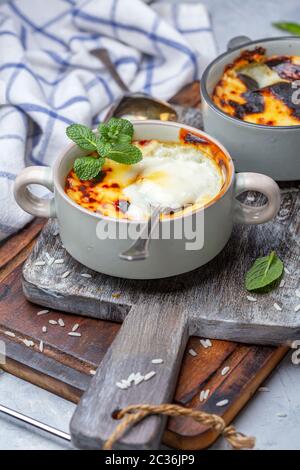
point(40, 263)
point(42, 312)
point(204, 395)
point(28, 343)
point(131, 377)
point(225, 370)
point(53, 322)
point(206, 343)
point(263, 389)
point(41, 346)
point(192, 352)
point(222, 403)
point(297, 308)
point(44, 329)
point(72, 333)
point(59, 261)
point(138, 379)
point(277, 307)
point(61, 322)
point(251, 298)
point(286, 270)
point(92, 372)
point(86, 275)
point(66, 274)
point(282, 283)
point(121, 386)
point(10, 333)
point(75, 327)
point(157, 361)
point(149, 375)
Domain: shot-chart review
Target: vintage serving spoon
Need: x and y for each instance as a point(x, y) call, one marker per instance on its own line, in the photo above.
point(139, 250)
point(132, 105)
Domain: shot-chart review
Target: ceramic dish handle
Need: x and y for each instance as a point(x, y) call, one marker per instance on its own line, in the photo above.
point(245, 214)
point(32, 204)
point(237, 41)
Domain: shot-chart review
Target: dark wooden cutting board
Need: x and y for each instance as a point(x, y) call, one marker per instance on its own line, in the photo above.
point(65, 365)
point(66, 362)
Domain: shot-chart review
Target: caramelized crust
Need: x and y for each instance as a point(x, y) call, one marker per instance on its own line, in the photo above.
point(105, 195)
point(240, 96)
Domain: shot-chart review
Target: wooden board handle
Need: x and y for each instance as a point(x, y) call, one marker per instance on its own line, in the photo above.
point(150, 331)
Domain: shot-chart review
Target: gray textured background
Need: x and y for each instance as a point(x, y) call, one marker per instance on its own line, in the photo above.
point(260, 417)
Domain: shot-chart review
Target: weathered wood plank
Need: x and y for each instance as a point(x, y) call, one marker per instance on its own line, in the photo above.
point(156, 330)
point(14, 245)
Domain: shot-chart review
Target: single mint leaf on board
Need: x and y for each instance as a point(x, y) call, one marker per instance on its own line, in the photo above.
point(87, 168)
point(264, 272)
point(290, 27)
point(125, 153)
point(82, 136)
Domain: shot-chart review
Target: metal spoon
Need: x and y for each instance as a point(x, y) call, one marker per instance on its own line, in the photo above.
point(131, 105)
point(139, 250)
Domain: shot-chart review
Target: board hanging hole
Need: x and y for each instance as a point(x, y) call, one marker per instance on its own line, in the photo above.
point(115, 414)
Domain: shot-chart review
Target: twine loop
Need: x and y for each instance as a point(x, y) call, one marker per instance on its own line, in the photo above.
point(135, 413)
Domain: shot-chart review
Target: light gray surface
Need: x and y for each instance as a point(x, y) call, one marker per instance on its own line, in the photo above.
point(259, 418)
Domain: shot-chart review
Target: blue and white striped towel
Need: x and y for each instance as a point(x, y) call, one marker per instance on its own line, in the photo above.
point(48, 79)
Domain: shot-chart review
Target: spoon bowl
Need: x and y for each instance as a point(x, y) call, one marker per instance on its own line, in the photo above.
point(133, 105)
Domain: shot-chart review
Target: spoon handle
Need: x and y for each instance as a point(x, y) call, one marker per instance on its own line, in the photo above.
point(103, 56)
point(139, 250)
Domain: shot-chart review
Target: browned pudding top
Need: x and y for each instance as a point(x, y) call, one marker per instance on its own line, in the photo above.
point(261, 89)
point(193, 171)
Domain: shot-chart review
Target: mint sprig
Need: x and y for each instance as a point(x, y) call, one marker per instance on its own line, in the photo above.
point(113, 141)
point(264, 272)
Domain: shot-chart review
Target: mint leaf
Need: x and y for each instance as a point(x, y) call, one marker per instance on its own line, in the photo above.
point(264, 272)
point(87, 168)
point(82, 136)
point(293, 28)
point(116, 131)
point(103, 147)
point(125, 153)
point(118, 126)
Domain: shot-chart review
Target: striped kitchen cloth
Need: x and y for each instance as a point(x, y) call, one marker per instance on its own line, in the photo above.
point(48, 79)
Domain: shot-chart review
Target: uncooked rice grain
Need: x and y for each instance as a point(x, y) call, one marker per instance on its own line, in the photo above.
point(225, 370)
point(66, 274)
point(222, 403)
point(192, 352)
point(61, 322)
point(73, 333)
point(42, 312)
point(10, 333)
point(149, 375)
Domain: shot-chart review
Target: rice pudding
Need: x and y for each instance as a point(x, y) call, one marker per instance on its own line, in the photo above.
point(173, 175)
